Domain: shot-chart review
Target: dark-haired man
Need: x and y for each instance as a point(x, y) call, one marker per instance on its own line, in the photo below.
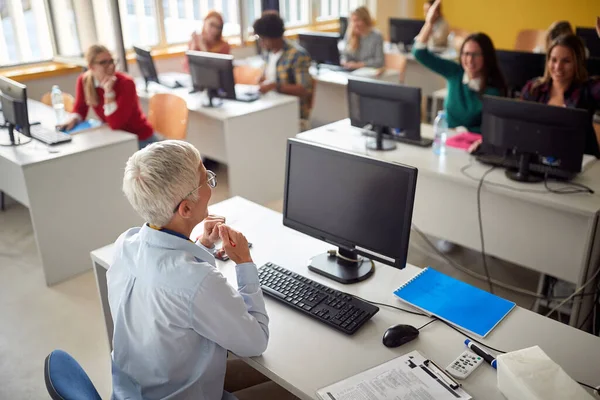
point(287, 63)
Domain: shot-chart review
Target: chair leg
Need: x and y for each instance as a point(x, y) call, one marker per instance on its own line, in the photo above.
point(1, 201)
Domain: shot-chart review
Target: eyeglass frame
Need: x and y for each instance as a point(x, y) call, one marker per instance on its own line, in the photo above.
point(211, 177)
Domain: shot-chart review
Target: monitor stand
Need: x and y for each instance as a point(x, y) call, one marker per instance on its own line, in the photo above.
point(16, 138)
point(378, 143)
point(212, 94)
point(523, 174)
point(342, 266)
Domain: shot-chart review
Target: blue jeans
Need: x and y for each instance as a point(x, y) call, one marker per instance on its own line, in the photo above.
point(146, 142)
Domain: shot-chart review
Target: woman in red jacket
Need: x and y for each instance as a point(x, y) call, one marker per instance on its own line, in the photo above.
point(112, 95)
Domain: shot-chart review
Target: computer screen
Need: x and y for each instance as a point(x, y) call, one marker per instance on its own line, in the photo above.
point(343, 26)
point(146, 65)
point(322, 47)
point(350, 200)
point(593, 66)
point(519, 67)
point(13, 97)
point(213, 73)
point(386, 106)
point(404, 30)
point(539, 130)
point(590, 39)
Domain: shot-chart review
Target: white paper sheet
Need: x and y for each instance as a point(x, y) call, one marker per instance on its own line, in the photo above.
point(403, 378)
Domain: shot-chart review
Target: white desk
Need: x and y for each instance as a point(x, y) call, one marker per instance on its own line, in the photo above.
point(558, 235)
point(331, 94)
point(249, 137)
point(304, 355)
point(74, 196)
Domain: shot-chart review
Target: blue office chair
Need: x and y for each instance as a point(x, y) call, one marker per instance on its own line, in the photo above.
point(66, 380)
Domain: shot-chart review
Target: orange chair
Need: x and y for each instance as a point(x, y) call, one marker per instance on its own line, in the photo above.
point(396, 61)
point(247, 74)
point(529, 39)
point(168, 115)
point(68, 99)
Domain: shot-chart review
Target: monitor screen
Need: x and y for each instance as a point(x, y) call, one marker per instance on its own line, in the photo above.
point(213, 72)
point(322, 47)
point(590, 39)
point(404, 30)
point(519, 67)
point(385, 105)
point(146, 64)
point(13, 98)
point(350, 200)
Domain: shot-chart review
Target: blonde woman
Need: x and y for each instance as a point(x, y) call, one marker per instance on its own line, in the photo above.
point(112, 95)
point(364, 44)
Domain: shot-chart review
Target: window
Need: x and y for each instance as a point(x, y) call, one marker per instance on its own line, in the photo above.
point(67, 37)
point(295, 12)
point(253, 12)
point(24, 32)
point(333, 9)
point(182, 17)
point(138, 19)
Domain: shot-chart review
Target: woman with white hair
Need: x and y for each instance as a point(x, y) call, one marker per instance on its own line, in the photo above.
point(175, 316)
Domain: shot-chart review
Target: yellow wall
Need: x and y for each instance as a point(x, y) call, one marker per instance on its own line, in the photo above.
point(502, 19)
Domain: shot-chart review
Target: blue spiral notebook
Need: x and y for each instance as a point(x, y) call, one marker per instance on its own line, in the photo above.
point(456, 302)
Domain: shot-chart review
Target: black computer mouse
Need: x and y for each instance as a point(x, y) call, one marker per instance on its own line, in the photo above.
point(397, 335)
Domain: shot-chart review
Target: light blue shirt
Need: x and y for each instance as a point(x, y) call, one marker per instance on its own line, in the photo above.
point(175, 316)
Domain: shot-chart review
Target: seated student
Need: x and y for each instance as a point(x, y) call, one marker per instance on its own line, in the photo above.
point(287, 63)
point(210, 39)
point(112, 95)
point(477, 74)
point(558, 28)
point(566, 84)
point(440, 29)
point(364, 44)
point(175, 315)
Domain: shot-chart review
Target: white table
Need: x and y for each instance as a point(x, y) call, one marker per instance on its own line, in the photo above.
point(304, 355)
point(74, 195)
point(249, 137)
point(331, 93)
point(558, 235)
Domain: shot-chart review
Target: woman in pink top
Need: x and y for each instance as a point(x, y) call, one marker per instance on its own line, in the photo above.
point(211, 38)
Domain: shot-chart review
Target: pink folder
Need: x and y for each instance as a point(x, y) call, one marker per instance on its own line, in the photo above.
point(463, 140)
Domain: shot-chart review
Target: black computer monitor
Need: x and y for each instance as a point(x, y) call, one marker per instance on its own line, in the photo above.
point(214, 73)
point(343, 26)
point(518, 67)
point(593, 66)
point(148, 68)
point(533, 131)
point(322, 47)
point(590, 39)
point(360, 204)
point(13, 97)
point(403, 30)
point(392, 110)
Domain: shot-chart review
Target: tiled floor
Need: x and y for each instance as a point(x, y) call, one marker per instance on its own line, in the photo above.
point(35, 319)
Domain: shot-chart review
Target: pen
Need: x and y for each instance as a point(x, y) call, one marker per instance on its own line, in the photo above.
point(487, 357)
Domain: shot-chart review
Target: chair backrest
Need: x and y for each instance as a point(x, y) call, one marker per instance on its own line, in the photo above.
point(66, 380)
point(396, 61)
point(529, 39)
point(168, 115)
point(68, 99)
point(247, 74)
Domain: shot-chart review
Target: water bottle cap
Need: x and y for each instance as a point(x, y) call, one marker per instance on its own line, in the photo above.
point(442, 113)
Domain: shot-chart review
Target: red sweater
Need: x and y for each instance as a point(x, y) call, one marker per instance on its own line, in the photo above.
point(128, 117)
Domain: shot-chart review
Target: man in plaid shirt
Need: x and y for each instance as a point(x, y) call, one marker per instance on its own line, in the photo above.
point(286, 63)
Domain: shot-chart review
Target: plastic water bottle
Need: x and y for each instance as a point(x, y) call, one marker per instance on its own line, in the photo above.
point(440, 131)
point(58, 104)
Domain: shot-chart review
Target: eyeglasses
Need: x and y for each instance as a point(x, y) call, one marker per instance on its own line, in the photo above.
point(211, 181)
point(469, 54)
point(105, 63)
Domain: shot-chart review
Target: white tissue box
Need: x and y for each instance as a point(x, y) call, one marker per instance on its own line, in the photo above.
point(529, 374)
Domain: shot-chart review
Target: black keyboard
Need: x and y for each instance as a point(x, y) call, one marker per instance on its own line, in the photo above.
point(332, 307)
point(511, 162)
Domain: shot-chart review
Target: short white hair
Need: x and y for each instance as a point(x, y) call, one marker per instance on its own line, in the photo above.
point(159, 176)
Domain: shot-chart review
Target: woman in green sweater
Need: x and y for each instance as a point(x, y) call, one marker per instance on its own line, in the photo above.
point(477, 74)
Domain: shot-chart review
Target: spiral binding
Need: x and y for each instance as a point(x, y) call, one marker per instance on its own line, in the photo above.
point(412, 279)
